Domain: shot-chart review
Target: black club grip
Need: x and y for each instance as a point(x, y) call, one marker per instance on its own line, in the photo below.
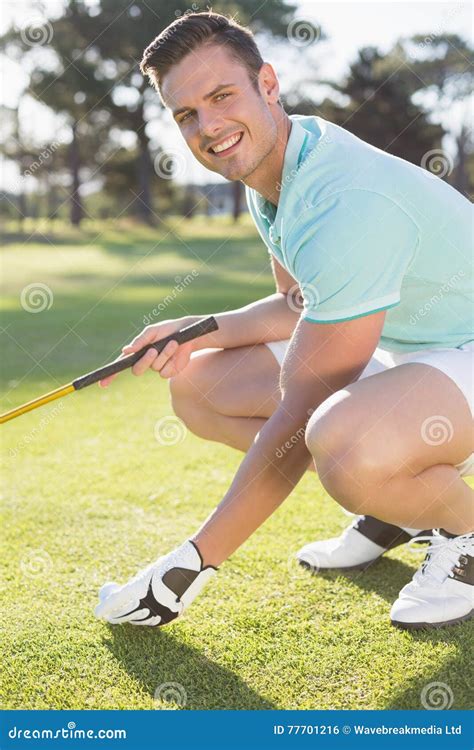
point(208, 325)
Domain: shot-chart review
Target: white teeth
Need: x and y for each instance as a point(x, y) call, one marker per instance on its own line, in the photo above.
point(227, 144)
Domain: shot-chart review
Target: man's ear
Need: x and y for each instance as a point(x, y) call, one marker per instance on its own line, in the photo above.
point(268, 84)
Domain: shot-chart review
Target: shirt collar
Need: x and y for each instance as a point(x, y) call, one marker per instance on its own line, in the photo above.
point(294, 152)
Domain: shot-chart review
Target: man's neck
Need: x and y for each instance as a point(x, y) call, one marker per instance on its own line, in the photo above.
point(266, 179)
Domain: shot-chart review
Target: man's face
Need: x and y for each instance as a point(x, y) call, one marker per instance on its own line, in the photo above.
point(225, 121)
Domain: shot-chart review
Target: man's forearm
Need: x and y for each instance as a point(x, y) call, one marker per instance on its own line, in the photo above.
point(267, 319)
point(318, 363)
point(272, 467)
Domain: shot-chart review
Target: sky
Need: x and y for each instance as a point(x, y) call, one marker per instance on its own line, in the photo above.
point(349, 25)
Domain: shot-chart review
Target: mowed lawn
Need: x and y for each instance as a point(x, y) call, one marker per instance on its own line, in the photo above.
point(90, 494)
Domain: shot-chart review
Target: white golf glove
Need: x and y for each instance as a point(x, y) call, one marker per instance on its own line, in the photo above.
point(159, 593)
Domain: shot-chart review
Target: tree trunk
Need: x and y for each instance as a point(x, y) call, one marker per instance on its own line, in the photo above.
point(76, 212)
point(50, 196)
point(459, 179)
point(237, 199)
point(144, 203)
point(189, 202)
point(21, 201)
point(22, 209)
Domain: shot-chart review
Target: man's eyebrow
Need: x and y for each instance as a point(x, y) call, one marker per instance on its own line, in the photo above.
point(206, 96)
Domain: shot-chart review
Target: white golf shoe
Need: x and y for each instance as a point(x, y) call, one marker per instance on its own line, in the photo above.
point(442, 590)
point(363, 542)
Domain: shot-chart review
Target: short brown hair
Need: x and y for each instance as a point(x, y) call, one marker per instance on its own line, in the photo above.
point(193, 30)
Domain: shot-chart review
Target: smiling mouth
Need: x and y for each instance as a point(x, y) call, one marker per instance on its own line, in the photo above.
point(226, 146)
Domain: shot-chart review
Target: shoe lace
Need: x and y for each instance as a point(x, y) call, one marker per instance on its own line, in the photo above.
point(442, 555)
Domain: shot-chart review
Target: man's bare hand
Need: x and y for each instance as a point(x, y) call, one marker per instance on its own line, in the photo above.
point(168, 363)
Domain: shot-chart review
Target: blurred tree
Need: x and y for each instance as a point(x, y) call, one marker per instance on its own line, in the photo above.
point(135, 26)
point(120, 182)
point(96, 83)
point(70, 88)
point(381, 109)
point(441, 63)
point(393, 100)
point(13, 147)
point(462, 176)
point(47, 167)
point(441, 67)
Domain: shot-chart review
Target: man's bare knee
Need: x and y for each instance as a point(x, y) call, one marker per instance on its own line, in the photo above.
point(180, 396)
point(347, 464)
point(195, 415)
point(326, 431)
point(188, 396)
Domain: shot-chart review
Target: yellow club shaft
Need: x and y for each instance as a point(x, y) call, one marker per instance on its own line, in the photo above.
point(51, 396)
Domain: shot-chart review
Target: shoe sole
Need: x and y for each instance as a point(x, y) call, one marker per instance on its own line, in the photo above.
point(431, 625)
point(361, 566)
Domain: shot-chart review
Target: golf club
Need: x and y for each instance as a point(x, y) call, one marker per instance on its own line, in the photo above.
point(185, 334)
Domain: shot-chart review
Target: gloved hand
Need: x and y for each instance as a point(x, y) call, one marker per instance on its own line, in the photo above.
point(158, 594)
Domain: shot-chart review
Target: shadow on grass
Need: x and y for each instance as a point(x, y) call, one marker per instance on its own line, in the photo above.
point(227, 246)
point(450, 685)
point(386, 577)
point(154, 657)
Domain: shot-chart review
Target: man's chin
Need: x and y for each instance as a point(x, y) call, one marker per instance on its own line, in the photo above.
point(234, 175)
point(231, 174)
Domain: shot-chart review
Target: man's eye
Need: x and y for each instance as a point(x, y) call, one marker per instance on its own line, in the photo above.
point(189, 114)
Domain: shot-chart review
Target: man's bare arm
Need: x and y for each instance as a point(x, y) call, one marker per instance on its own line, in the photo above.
point(322, 358)
point(284, 281)
point(272, 318)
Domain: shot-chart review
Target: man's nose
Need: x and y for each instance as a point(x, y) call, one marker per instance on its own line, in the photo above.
point(210, 124)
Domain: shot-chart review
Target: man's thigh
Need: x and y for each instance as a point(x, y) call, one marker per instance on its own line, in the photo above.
point(409, 417)
point(241, 382)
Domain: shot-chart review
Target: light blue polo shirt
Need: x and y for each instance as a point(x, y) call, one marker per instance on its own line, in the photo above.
point(362, 231)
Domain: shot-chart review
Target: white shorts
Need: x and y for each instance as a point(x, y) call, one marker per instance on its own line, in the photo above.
point(457, 364)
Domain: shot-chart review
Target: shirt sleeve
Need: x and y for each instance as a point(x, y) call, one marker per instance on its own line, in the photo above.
point(352, 251)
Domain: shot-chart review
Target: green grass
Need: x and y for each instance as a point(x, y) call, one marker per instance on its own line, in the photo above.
point(89, 495)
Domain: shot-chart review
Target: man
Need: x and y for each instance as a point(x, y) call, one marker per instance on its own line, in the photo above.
point(375, 385)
